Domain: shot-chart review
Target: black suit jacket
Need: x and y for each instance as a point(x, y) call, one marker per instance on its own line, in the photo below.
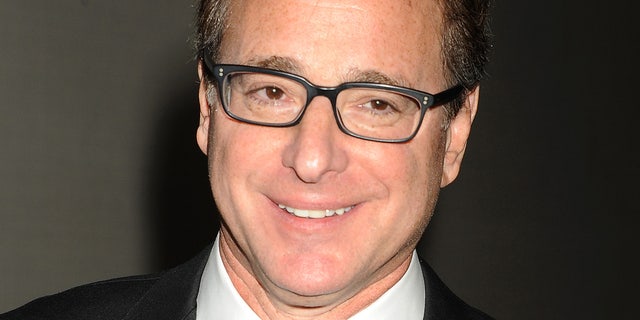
point(171, 295)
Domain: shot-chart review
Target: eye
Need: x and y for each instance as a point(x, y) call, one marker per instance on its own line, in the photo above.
point(380, 106)
point(271, 93)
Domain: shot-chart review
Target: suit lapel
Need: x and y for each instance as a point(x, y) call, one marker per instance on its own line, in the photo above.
point(173, 296)
point(441, 303)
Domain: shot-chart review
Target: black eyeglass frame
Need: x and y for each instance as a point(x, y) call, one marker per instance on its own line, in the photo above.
point(423, 99)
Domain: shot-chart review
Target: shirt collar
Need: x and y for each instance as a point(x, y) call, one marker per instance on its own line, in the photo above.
point(219, 299)
point(405, 300)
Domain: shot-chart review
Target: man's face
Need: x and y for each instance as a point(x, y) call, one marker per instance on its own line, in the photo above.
point(389, 190)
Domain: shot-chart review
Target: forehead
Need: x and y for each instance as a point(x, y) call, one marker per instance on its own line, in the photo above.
point(329, 38)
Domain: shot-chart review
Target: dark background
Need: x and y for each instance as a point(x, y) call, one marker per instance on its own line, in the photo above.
point(100, 175)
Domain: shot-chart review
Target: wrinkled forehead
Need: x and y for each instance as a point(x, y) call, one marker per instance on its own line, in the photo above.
point(390, 34)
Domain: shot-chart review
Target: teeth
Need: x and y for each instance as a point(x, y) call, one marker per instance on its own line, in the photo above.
point(315, 214)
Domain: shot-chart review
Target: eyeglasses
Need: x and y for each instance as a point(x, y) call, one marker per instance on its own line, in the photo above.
point(369, 111)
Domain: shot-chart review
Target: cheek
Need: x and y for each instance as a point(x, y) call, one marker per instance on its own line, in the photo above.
point(425, 186)
point(416, 168)
point(420, 175)
point(231, 144)
point(236, 159)
point(226, 153)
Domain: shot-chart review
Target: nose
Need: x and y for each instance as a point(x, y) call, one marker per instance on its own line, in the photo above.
point(316, 148)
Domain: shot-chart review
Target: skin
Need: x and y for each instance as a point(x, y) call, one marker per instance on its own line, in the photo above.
point(287, 267)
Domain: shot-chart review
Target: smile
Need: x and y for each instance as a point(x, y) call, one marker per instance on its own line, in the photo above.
point(315, 214)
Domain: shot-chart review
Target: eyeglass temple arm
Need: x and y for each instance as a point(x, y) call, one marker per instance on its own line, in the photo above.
point(447, 95)
point(205, 56)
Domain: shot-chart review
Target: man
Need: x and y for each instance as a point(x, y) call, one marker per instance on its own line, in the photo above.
point(330, 127)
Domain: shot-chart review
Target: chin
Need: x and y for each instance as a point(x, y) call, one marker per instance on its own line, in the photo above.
point(313, 277)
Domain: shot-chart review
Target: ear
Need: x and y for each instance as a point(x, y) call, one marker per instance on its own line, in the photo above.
point(457, 135)
point(202, 134)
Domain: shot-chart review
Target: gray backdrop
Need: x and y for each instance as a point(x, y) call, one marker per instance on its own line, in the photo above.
point(100, 175)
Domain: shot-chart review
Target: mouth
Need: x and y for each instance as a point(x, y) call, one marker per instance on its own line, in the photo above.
point(315, 214)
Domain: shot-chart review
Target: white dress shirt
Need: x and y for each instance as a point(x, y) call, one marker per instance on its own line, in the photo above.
point(218, 299)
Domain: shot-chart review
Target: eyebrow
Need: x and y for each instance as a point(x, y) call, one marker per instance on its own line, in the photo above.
point(373, 76)
point(277, 63)
point(290, 65)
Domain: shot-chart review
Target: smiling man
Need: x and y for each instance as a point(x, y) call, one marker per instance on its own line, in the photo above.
point(328, 141)
point(330, 127)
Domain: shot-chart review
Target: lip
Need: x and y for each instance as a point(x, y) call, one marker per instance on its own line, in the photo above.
point(315, 213)
point(315, 206)
point(305, 229)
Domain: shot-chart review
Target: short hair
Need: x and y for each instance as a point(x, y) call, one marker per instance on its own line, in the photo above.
point(465, 40)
